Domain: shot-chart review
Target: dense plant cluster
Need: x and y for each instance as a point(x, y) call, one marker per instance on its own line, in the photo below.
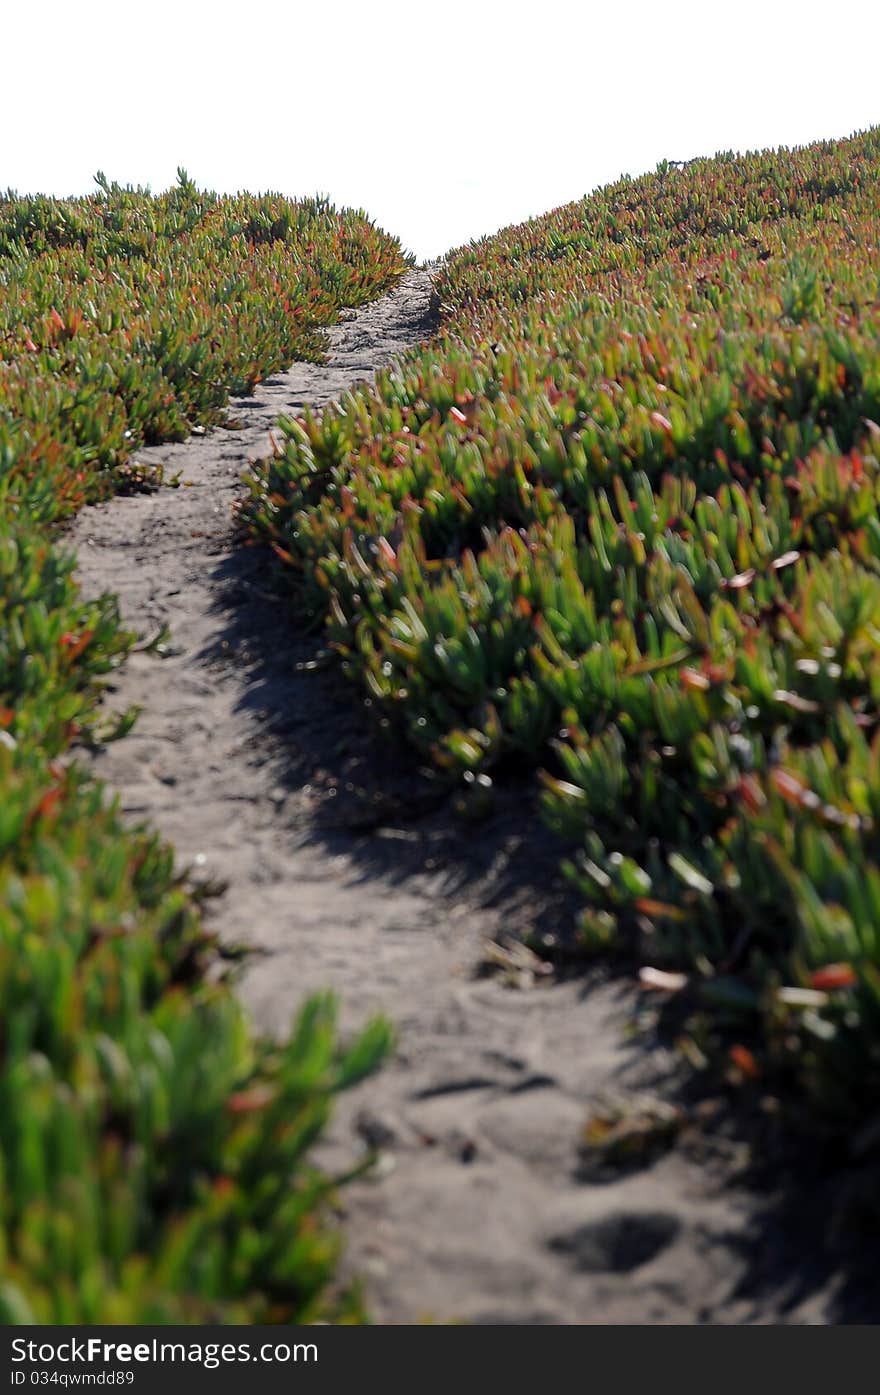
point(127, 319)
point(153, 1150)
point(618, 523)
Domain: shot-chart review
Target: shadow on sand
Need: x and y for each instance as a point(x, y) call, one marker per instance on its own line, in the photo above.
point(356, 790)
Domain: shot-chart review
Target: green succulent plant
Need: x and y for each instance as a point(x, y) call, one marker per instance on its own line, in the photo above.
point(154, 1150)
point(619, 521)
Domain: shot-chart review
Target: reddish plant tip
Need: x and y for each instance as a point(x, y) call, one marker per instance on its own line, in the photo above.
point(833, 976)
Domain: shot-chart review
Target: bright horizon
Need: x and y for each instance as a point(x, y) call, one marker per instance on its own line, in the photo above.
point(443, 125)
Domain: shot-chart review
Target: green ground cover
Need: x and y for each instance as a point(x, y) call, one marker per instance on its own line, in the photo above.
point(154, 1151)
point(617, 525)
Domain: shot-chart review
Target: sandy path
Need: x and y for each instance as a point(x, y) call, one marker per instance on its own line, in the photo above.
point(250, 764)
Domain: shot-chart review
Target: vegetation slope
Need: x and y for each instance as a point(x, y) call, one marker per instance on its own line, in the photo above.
point(618, 527)
point(153, 1150)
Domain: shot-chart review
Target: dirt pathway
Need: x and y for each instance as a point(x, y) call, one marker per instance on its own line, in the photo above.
point(255, 761)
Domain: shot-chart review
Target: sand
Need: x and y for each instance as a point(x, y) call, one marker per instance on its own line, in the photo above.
point(255, 758)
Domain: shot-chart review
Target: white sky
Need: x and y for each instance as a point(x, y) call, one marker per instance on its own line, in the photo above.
point(444, 122)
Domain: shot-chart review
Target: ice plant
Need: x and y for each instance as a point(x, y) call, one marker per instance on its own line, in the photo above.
point(154, 1148)
point(618, 522)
